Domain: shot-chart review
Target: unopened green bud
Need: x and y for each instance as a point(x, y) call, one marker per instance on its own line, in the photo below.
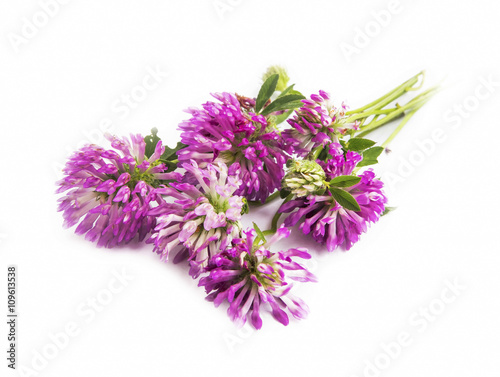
point(304, 177)
point(283, 79)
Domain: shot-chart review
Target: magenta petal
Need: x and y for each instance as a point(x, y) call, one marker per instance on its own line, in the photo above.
point(279, 314)
point(255, 316)
point(187, 230)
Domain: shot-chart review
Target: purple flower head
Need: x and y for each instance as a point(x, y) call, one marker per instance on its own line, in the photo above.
point(339, 163)
point(227, 131)
point(113, 190)
point(316, 123)
point(329, 222)
point(250, 277)
point(204, 217)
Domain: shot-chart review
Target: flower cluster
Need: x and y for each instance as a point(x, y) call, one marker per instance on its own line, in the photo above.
point(317, 123)
point(234, 152)
point(329, 222)
point(113, 190)
point(229, 131)
point(203, 219)
point(249, 275)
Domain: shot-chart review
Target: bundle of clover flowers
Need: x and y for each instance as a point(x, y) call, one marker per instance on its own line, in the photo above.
point(235, 153)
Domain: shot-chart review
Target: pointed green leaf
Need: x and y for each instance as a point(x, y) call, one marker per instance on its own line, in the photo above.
point(289, 101)
point(373, 152)
point(259, 233)
point(285, 92)
point(367, 162)
point(171, 166)
point(345, 199)
point(266, 91)
point(387, 210)
point(282, 117)
point(370, 156)
point(169, 157)
point(171, 153)
point(345, 181)
point(359, 144)
point(289, 90)
point(151, 141)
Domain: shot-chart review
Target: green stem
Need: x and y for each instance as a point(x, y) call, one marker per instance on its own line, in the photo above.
point(415, 103)
point(276, 217)
point(274, 223)
point(367, 114)
point(392, 95)
point(400, 126)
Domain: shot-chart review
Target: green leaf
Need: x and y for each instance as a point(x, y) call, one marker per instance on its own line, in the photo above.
point(282, 117)
point(294, 104)
point(345, 199)
point(359, 144)
point(289, 90)
point(285, 92)
point(373, 152)
point(320, 191)
point(259, 233)
point(171, 153)
point(266, 91)
point(169, 157)
point(151, 141)
point(370, 156)
point(289, 101)
point(367, 162)
point(387, 210)
point(171, 166)
point(345, 181)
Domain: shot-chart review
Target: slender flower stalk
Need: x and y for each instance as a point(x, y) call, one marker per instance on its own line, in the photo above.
point(249, 277)
point(408, 85)
point(378, 115)
point(112, 190)
point(411, 107)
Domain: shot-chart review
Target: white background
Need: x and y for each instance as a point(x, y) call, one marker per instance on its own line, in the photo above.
point(67, 75)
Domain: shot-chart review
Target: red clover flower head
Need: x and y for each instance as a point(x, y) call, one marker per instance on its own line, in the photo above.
point(113, 190)
point(249, 277)
point(228, 131)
